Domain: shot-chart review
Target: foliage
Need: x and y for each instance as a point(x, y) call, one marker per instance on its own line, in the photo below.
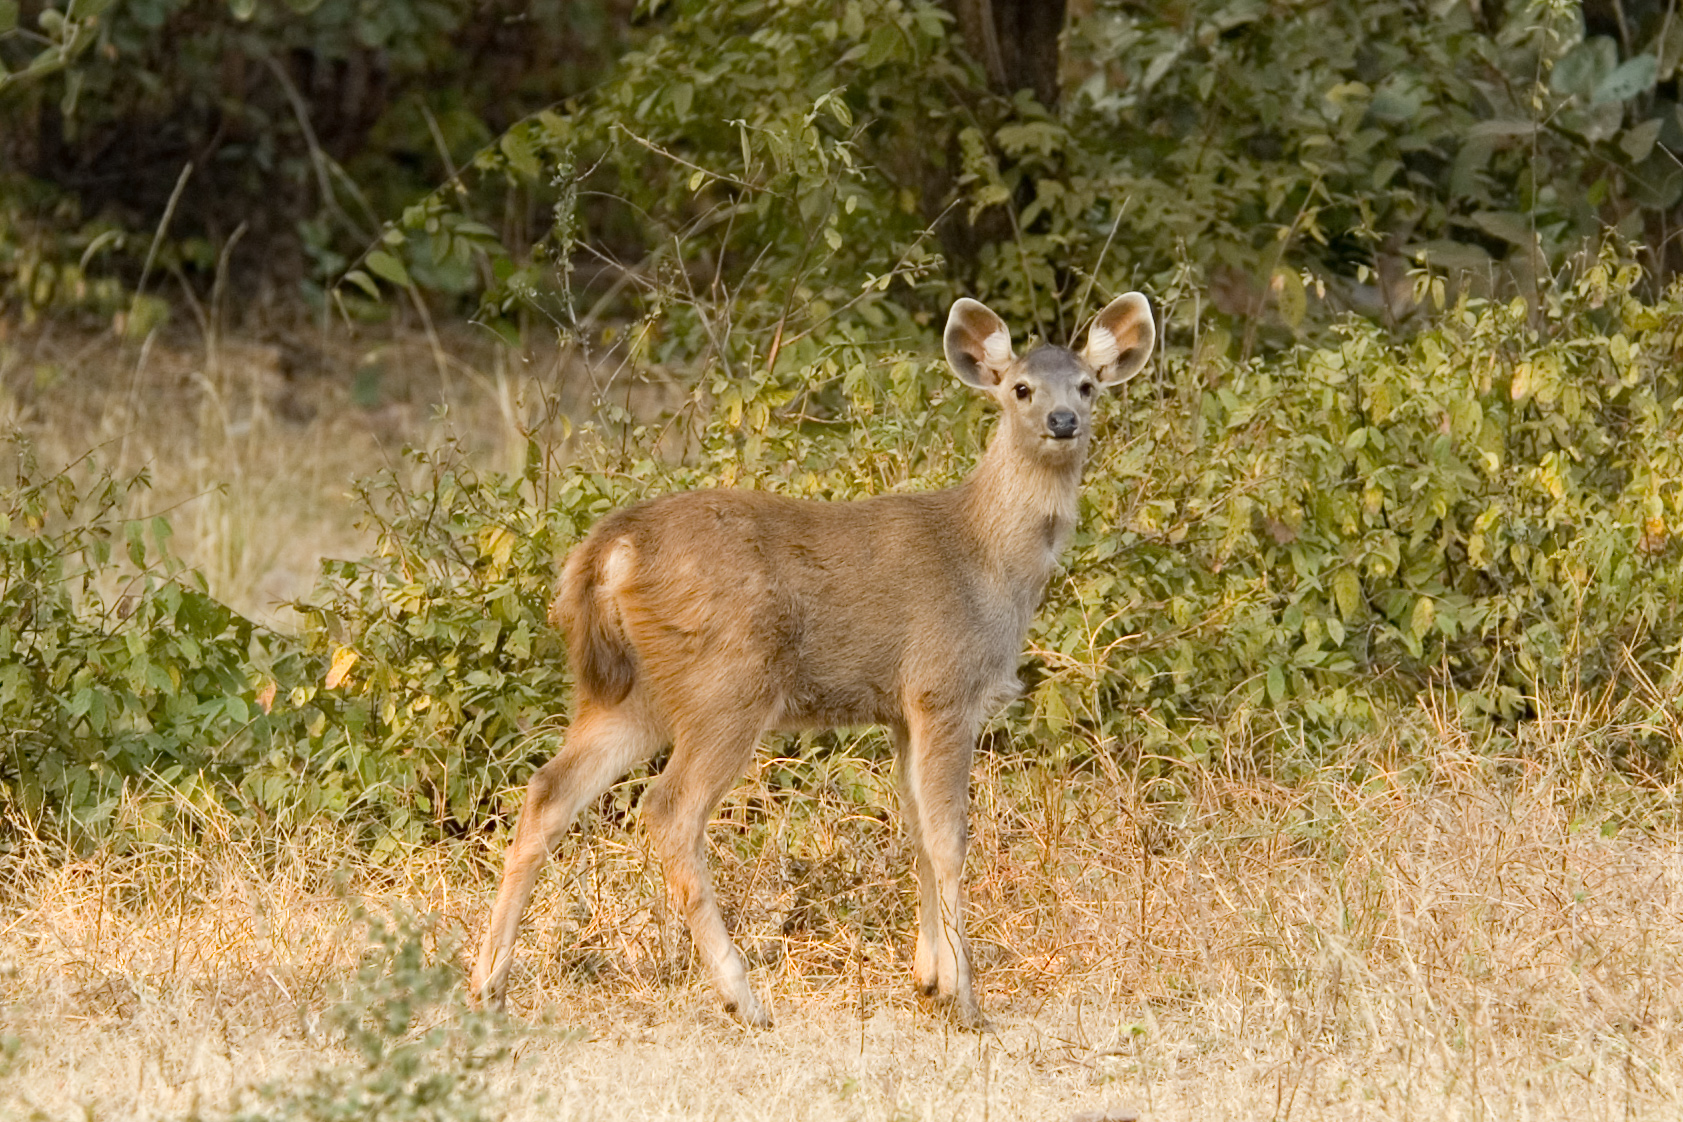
point(418, 1050)
point(442, 669)
point(1262, 139)
point(1488, 509)
point(1305, 544)
point(179, 129)
point(1239, 142)
point(751, 170)
point(64, 37)
point(50, 259)
point(109, 675)
point(800, 155)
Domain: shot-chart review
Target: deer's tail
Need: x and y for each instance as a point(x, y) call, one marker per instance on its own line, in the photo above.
point(585, 608)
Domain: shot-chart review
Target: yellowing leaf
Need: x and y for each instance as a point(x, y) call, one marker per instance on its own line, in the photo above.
point(521, 156)
point(1290, 297)
point(1420, 620)
point(343, 659)
point(1347, 591)
point(1520, 388)
point(497, 543)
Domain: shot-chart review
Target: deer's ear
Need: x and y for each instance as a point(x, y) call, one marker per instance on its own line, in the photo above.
point(1121, 339)
point(978, 345)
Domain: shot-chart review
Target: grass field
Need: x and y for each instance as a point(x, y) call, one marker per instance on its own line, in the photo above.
point(1465, 936)
point(1428, 925)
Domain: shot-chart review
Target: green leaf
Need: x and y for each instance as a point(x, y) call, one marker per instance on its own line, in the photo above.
point(1634, 76)
point(1276, 683)
point(1347, 591)
point(1501, 129)
point(885, 45)
point(8, 15)
point(1421, 618)
point(1639, 140)
point(853, 20)
point(1584, 66)
point(243, 9)
point(837, 105)
point(1043, 137)
point(1514, 228)
point(1657, 182)
point(388, 268)
point(134, 532)
point(1456, 257)
point(1290, 296)
point(682, 95)
point(522, 157)
point(80, 702)
point(365, 282)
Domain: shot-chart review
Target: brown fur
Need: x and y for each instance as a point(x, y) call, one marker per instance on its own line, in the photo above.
point(702, 619)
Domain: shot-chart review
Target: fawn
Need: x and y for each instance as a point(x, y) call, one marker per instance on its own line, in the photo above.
point(702, 619)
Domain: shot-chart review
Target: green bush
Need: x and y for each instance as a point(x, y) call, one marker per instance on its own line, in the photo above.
point(443, 673)
point(1303, 545)
point(1487, 513)
point(111, 675)
point(1488, 510)
point(753, 169)
point(302, 122)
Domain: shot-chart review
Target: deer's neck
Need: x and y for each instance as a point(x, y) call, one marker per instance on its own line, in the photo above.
point(1022, 513)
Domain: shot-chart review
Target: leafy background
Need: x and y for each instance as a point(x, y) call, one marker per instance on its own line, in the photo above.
point(1412, 432)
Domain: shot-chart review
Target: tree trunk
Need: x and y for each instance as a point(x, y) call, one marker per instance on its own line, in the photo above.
point(1016, 41)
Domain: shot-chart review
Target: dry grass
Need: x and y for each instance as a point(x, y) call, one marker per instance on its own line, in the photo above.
point(1467, 936)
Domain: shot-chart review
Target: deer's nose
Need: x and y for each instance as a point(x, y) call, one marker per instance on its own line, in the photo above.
point(1062, 423)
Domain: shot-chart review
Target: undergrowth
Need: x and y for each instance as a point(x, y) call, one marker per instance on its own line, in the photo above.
point(1299, 548)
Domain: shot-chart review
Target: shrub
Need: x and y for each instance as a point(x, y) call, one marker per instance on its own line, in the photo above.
point(1302, 545)
point(111, 675)
point(1488, 509)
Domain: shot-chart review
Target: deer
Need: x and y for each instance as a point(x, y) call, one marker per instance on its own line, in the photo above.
point(699, 620)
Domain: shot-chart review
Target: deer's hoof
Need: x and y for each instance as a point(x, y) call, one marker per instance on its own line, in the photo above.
point(966, 1015)
point(750, 1012)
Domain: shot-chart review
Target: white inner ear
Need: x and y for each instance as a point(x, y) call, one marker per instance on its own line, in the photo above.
point(1101, 347)
point(998, 349)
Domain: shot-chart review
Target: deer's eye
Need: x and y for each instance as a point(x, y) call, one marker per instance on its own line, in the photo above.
point(1086, 390)
point(1023, 392)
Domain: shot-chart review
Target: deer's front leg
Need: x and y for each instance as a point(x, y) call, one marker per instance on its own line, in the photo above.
point(936, 783)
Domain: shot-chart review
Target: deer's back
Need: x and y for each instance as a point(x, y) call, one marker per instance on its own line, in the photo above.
point(819, 613)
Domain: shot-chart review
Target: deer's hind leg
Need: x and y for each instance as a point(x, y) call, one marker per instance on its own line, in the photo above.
point(708, 756)
point(603, 744)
